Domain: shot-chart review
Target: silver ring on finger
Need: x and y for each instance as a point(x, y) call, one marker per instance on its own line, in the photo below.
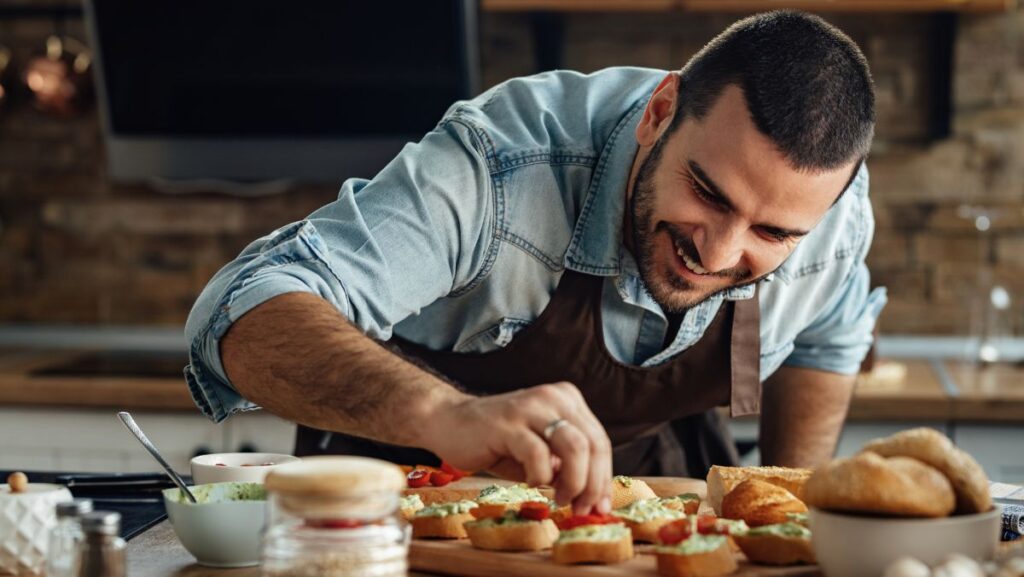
point(552, 428)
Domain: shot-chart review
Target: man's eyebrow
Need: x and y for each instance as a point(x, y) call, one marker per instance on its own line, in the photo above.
point(705, 181)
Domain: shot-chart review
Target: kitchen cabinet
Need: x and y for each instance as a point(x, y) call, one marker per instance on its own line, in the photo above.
point(88, 440)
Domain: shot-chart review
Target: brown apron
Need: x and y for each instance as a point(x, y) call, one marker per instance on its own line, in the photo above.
point(661, 419)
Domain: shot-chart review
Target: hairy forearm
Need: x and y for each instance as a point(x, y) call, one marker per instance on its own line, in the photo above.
point(802, 414)
point(298, 358)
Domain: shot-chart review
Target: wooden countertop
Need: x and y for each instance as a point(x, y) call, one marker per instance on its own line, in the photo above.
point(917, 390)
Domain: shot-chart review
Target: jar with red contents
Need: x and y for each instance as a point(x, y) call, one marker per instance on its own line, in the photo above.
point(335, 517)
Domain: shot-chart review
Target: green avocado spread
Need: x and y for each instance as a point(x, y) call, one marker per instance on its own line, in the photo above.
point(445, 509)
point(694, 545)
point(782, 530)
point(623, 480)
point(520, 493)
point(509, 518)
point(411, 502)
point(596, 533)
point(219, 493)
point(647, 510)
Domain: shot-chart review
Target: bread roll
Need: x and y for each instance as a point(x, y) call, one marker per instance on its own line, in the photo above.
point(760, 503)
point(870, 483)
point(722, 480)
point(933, 448)
point(627, 490)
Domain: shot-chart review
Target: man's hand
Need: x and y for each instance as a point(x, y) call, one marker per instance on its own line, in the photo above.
point(505, 434)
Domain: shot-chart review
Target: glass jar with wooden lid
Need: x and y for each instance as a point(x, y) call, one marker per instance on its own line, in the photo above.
point(334, 517)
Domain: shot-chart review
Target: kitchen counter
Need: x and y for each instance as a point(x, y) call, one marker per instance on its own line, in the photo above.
point(912, 389)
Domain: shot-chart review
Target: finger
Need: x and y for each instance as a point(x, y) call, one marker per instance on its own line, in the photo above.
point(599, 474)
point(508, 468)
point(573, 449)
point(533, 454)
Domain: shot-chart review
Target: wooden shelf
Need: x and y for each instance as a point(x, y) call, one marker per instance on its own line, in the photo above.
point(747, 5)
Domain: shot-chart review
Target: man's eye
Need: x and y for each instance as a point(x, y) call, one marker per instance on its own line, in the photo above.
point(776, 236)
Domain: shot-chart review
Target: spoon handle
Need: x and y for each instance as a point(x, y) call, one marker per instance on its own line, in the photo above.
point(129, 422)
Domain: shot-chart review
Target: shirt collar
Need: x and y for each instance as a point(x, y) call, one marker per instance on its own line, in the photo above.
point(594, 248)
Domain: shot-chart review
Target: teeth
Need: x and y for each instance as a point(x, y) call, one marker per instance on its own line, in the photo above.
point(694, 267)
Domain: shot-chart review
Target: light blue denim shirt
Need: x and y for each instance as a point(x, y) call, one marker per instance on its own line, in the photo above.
point(461, 240)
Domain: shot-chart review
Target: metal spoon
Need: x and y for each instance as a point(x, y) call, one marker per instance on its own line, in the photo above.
point(129, 422)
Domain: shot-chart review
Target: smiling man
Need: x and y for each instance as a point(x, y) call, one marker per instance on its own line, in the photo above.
point(571, 272)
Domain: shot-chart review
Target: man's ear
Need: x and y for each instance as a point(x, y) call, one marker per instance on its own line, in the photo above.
point(659, 112)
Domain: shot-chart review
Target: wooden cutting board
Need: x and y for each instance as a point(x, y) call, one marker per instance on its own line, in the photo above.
point(460, 558)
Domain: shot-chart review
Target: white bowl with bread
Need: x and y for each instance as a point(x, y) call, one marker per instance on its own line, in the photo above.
point(912, 494)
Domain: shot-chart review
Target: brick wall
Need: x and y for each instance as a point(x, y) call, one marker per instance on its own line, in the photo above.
point(75, 248)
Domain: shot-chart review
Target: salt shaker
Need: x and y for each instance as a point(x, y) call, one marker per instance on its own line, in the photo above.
point(64, 548)
point(103, 551)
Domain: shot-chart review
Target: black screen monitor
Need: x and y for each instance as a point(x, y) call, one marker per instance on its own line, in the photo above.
point(254, 90)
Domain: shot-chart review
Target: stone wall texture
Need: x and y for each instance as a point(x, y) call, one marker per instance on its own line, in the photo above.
point(76, 248)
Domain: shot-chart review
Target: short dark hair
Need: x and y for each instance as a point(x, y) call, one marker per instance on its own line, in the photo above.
point(806, 84)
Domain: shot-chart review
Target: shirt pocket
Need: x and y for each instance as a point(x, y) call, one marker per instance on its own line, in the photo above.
point(494, 337)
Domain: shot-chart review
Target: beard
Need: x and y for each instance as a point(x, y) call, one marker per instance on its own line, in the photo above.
point(672, 292)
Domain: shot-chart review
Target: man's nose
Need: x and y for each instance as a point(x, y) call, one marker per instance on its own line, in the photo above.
point(722, 248)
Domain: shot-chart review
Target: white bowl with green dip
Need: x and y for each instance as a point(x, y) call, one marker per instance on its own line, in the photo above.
point(224, 527)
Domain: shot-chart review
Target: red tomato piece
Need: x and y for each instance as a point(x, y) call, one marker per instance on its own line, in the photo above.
point(454, 472)
point(440, 478)
point(418, 478)
point(591, 519)
point(534, 511)
point(333, 523)
point(707, 525)
point(675, 532)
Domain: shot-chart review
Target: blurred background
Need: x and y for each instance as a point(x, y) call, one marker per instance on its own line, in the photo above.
point(143, 145)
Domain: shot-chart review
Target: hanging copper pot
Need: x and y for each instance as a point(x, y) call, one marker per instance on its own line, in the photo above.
point(59, 78)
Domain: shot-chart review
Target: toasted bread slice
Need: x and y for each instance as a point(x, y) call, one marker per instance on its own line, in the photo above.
point(673, 562)
point(514, 536)
point(647, 532)
point(606, 552)
point(722, 480)
point(768, 549)
point(447, 527)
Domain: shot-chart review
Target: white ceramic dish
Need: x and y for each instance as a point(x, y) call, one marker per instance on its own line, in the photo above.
point(218, 531)
point(25, 522)
point(862, 546)
point(237, 467)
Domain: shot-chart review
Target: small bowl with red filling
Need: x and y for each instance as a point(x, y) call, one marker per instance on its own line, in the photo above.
point(235, 467)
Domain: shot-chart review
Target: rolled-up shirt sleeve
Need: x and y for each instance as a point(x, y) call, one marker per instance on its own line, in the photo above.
point(420, 230)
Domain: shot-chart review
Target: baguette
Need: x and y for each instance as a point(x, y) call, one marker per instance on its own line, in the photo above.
point(680, 561)
point(512, 535)
point(722, 480)
point(782, 544)
point(583, 545)
point(760, 503)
